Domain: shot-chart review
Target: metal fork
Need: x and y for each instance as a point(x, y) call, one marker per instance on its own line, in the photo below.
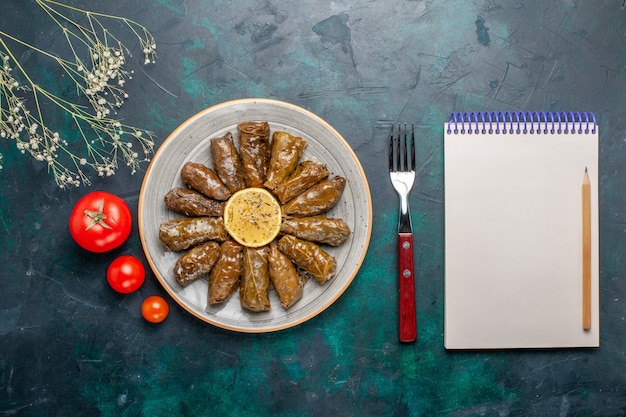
point(402, 174)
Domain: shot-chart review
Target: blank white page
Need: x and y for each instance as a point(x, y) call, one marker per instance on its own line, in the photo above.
point(513, 240)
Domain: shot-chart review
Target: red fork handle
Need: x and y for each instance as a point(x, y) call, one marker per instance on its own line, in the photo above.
point(406, 289)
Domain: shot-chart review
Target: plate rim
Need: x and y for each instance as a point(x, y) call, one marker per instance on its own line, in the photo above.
point(175, 296)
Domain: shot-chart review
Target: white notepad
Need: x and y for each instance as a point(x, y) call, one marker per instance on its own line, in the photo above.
point(514, 233)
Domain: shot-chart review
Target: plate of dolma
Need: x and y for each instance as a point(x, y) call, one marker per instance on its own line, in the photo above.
point(327, 216)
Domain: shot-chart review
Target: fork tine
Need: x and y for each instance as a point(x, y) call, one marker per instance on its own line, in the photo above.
point(412, 147)
point(405, 154)
point(399, 148)
point(391, 165)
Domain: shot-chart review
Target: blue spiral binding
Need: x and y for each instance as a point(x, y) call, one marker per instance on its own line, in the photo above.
point(522, 122)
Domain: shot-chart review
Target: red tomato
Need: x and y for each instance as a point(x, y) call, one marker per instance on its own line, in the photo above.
point(126, 274)
point(100, 221)
point(155, 309)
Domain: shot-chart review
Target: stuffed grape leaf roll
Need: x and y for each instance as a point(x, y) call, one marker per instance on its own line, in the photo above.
point(255, 280)
point(285, 153)
point(224, 278)
point(183, 233)
point(320, 229)
point(197, 262)
point(309, 256)
point(307, 174)
point(193, 203)
point(254, 148)
point(317, 199)
point(227, 162)
point(203, 179)
point(284, 277)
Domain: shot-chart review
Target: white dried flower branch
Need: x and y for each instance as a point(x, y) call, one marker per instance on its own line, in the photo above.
point(96, 67)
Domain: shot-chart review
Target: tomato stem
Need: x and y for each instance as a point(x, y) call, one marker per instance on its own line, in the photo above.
point(97, 217)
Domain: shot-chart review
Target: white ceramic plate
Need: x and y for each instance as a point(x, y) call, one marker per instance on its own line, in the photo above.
point(191, 142)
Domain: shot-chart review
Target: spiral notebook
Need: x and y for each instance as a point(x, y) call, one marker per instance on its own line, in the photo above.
point(521, 231)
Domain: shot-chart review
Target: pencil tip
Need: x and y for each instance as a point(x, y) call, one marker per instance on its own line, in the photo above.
point(585, 169)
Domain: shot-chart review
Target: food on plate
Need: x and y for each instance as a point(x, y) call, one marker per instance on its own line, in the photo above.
point(285, 279)
point(100, 221)
point(183, 233)
point(255, 219)
point(285, 154)
point(126, 274)
point(316, 200)
point(155, 309)
point(192, 203)
point(203, 179)
point(254, 149)
point(196, 263)
point(308, 256)
point(224, 278)
point(307, 174)
point(319, 229)
point(255, 280)
point(252, 217)
point(227, 162)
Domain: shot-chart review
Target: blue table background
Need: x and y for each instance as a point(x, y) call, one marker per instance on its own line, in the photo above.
point(70, 346)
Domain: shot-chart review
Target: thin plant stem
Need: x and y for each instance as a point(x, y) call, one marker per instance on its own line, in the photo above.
point(96, 68)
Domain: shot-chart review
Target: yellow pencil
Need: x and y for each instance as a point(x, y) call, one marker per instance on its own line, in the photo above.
point(586, 198)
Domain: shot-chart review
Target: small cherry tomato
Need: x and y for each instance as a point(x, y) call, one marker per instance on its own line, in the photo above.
point(100, 221)
point(155, 309)
point(126, 274)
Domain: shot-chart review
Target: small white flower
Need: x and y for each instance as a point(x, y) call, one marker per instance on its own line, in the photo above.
point(105, 63)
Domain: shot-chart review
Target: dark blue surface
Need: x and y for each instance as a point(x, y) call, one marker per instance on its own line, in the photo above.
point(70, 346)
